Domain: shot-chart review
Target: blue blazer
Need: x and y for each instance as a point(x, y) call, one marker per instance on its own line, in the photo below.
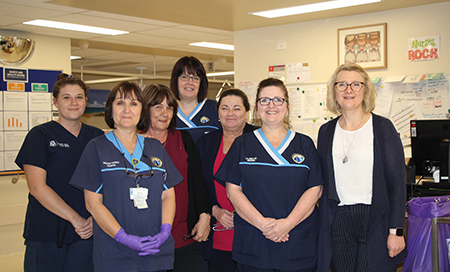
point(388, 194)
point(208, 146)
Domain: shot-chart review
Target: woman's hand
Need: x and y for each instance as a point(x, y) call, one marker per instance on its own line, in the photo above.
point(278, 230)
point(86, 230)
point(202, 228)
point(223, 216)
point(395, 244)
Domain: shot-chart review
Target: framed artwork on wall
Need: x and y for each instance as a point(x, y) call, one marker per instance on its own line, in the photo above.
point(365, 45)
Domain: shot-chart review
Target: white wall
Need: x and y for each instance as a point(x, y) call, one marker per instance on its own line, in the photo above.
point(51, 53)
point(316, 42)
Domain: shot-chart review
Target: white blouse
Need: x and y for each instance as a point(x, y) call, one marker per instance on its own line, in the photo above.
point(354, 177)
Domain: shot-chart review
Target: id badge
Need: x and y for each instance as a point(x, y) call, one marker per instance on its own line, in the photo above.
point(139, 197)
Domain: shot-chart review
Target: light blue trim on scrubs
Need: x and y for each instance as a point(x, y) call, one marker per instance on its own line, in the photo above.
point(273, 165)
point(187, 119)
point(273, 152)
point(137, 153)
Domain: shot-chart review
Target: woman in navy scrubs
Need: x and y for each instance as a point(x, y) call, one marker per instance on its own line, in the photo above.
point(57, 225)
point(274, 179)
point(233, 107)
point(128, 185)
point(189, 84)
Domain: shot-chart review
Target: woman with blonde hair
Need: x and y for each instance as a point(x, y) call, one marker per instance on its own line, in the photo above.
point(363, 204)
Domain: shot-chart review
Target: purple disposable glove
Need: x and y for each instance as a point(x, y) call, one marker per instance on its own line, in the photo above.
point(159, 239)
point(134, 242)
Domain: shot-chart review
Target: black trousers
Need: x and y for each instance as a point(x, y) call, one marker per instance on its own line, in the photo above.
point(221, 261)
point(348, 235)
point(246, 268)
point(189, 259)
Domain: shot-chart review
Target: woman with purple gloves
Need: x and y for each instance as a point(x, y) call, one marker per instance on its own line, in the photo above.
point(128, 184)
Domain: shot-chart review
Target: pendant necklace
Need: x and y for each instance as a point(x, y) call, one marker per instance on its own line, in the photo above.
point(345, 159)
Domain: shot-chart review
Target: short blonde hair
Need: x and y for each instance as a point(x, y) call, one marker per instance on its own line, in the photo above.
point(370, 93)
point(267, 83)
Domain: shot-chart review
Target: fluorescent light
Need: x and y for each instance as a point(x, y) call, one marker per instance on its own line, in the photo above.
point(274, 13)
point(75, 57)
point(75, 27)
point(214, 45)
point(221, 73)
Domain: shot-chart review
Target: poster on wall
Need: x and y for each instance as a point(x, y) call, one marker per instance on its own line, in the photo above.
point(424, 48)
point(298, 72)
point(278, 71)
point(364, 45)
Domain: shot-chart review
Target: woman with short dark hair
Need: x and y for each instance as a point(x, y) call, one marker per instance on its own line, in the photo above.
point(192, 216)
point(128, 184)
point(233, 107)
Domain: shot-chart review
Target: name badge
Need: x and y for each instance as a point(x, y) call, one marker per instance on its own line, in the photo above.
point(139, 197)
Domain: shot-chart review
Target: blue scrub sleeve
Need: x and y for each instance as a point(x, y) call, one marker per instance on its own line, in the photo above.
point(313, 161)
point(34, 149)
point(87, 175)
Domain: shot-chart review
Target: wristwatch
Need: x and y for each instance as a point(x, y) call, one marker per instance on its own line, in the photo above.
point(396, 231)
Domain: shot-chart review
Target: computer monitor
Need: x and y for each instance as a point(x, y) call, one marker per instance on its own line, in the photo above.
point(426, 139)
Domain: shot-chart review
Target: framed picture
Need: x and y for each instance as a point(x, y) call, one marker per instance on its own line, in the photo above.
point(364, 45)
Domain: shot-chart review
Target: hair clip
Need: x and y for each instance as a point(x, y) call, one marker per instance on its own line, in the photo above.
point(69, 76)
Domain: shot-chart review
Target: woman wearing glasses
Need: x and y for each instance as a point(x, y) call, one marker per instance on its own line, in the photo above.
point(363, 204)
point(57, 224)
point(273, 179)
point(128, 183)
point(189, 84)
point(232, 107)
point(191, 223)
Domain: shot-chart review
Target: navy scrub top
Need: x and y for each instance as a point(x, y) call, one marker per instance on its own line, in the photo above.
point(274, 179)
point(203, 119)
point(101, 169)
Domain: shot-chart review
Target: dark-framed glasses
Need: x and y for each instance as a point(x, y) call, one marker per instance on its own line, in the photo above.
point(342, 86)
point(265, 101)
point(135, 175)
point(186, 78)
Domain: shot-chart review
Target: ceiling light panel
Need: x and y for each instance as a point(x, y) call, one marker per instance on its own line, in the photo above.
point(275, 13)
point(75, 27)
point(214, 45)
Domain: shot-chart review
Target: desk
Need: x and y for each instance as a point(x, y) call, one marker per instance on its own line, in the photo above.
point(435, 239)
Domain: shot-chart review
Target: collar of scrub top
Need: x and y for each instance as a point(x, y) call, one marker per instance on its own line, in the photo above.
point(137, 153)
point(275, 153)
point(187, 119)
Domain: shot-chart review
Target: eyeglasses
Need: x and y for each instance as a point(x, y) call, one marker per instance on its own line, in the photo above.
point(188, 236)
point(219, 227)
point(186, 78)
point(265, 101)
point(135, 175)
point(342, 86)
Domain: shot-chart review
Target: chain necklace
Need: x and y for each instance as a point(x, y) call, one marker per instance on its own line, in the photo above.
point(345, 159)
